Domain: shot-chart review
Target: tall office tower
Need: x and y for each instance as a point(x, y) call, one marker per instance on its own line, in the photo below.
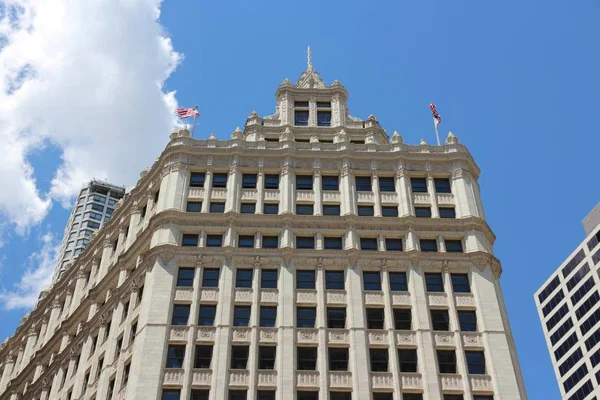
point(93, 208)
point(308, 257)
point(568, 307)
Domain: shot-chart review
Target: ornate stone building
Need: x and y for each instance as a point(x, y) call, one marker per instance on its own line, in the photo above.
point(308, 257)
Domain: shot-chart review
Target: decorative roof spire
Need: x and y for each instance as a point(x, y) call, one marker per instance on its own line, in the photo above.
point(309, 60)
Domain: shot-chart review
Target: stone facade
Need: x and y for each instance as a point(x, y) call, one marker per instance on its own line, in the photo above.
point(342, 217)
point(568, 304)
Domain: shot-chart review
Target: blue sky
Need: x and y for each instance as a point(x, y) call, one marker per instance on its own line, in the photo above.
point(516, 81)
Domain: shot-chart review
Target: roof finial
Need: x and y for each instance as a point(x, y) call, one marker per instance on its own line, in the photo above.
point(309, 59)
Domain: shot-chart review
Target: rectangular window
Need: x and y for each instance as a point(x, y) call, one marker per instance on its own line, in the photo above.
point(475, 362)
point(268, 315)
point(570, 362)
point(368, 243)
point(265, 395)
point(246, 241)
point(238, 394)
point(305, 242)
point(206, 315)
point(442, 185)
point(580, 393)
point(270, 242)
point(243, 278)
point(175, 355)
point(301, 117)
point(271, 181)
point(271, 208)
point(331, 209)
point(334, 280)
point(573, 263)
point(189, 240)
point(363, 183)
point(590, 322)
point(393, 244)
point(447, 212)
point(371, 280)
point(241, 315)
point(217, 207)
point(185, 277)
point(460, 283)
point(336, 317)
point(386, 396)
point(408, 360)
point(582, 291)
point(418, 185)
point(266, 357)
point(453, 246)
point(374, 318)
point(446, 361)
point(304, 209)
point(428, 245)
point(440, 320)
point(587, 305)
point(203, 356)
point(330, 182)
point(197, 179)
point(549, 289)
point(307, 395)
point(193, 206)
point(305, 317)
point(467, 320)
point(219, 180)
point(305, 279)
point(181, 313)
point(558, 297)
point(366, 211)
point(214, 240)
point(171, 394)
point(386, 184)
point(389, 211)
point(566, 346)
point(379, 360)
point(249, 181)
point(332, 243)
point(323, 118)
point(199, 394)
point(423, 212)
point(210, 277)
point(239, 357)
point(402, 319)
point(307, 358)
point(561, 331)
point(304, 182)
point(268, 279)
point(248, 208)
point(398, 282)
point(338, 359)
point(578, 276)
point(434, 282)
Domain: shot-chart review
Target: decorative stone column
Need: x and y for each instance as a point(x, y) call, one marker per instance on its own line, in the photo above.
point(207, 190)
point(7, 372)
point(234, 187)
point(134, 221)
point(321, 325)
point(286, 343)
point(317, 188)
point(376, 194)
point(466, 198)
point(389, 326)
point(287, 184)
point(435, 213)
point(404, 193)
point(260, 191)
point(348, 193)
point(254, 328)
point(107, 249)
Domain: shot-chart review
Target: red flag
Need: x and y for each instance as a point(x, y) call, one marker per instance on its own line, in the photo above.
point(436, 116)
point(184, 113)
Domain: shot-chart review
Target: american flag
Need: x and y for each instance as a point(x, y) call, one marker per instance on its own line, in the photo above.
point(436, 117)
point(187, 112)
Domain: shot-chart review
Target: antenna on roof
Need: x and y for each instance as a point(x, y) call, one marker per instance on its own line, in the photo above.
point(309, 59)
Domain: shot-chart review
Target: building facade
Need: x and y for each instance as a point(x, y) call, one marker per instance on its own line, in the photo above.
point(567, 304)
point(93, 207)
point(308, 257)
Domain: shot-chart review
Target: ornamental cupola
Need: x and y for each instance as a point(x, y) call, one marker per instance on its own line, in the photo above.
point(313, 112)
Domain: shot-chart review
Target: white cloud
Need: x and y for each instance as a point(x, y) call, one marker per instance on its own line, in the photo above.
point(37, 276)
point(88, 77)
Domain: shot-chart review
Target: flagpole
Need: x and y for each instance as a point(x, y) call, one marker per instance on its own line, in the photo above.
point(194, 123)
point(437, 135)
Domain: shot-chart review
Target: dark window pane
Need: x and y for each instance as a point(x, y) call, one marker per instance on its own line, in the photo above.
point(265, 395)
point(300, 118)
point(407, 359)
point(447, 212)
point(207, 315)
point(305, 317)
point(428, 245)
point(248, 208)
point(371, 281)
point(307, 395)
point(307, 358)
point(305, 279)
point(271, 181)
point(386, 184)
point(368, 244)
point(475, 362)
point(440, 320)
point(434, 282)
point(238, 394)
point(467, 320)
point(171, 394)
point(243, 278)
point(241, 315)
point(374, 318)
point(239, 357)
point(323, 118)
point(270, 242)
point(332, 243)
point(219, 180)
point(423, 212)
point(446, 361)
point(379, 359)
point(330, 183)
point(175, 355)
point(403, 319)
point(210, 277)
point(268, 315)
point(181, 313)
point(203, 356)
point(389, 211)
point(304, 209)
point(385, 396)
point(217, 207)
point(246, 241)
point(268, 279)
point(338, 359)
point(249, 181)
point(393, 244)
point(453, 246)
point(193, 206)
point(200, 394)
point(334, 280)
point(363, 183)
point(336, 317)
point(366, 211)
point(442, 185)
point(305, 242)
point(214, 240)
point(460, 283)
point(304, 182)
point(331, 209)
point(271, 208)
point(197, 179)
point(189, 240)
point(185, 277)
point(266, 357)
point(398, 282)
point(418, 185)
